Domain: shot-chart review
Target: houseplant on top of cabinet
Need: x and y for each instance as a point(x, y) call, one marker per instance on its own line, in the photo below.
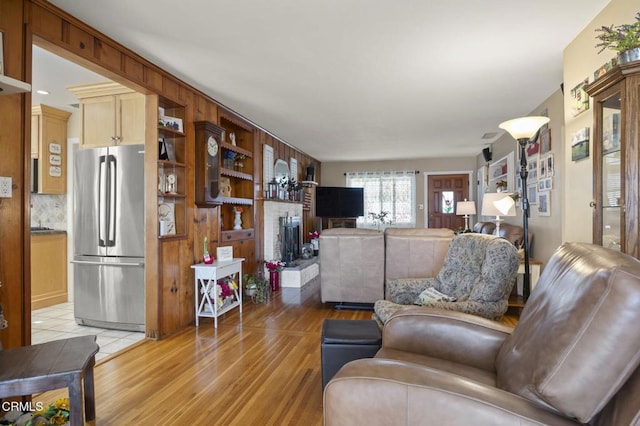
point(624, 39)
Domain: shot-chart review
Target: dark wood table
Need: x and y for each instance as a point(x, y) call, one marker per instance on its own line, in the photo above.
point(61, 363)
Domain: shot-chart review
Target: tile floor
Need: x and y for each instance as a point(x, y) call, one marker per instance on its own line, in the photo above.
point(57, 322)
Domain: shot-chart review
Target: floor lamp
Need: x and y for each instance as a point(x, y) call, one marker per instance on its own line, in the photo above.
point(525, 131)
point(466, 208)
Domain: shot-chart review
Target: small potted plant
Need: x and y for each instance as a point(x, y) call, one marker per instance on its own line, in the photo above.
point(624, 39)
point(256, 287)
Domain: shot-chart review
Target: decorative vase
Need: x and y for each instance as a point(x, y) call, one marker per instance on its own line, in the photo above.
point(315, 244)
point(237, 223)
point(274, 280)
point(629, 56)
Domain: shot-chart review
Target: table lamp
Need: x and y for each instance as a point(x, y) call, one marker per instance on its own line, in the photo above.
point(466, 208)
point(498, 204)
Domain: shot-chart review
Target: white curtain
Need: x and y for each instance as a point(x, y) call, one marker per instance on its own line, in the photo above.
point(393, 192)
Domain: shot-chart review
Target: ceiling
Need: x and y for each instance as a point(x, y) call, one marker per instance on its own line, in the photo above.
point(357, 79)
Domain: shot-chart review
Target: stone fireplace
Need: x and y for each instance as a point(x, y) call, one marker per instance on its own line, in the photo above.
point(290, 238)
point(283, 237)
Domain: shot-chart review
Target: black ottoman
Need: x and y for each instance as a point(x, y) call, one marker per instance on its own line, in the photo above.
point(346, 340)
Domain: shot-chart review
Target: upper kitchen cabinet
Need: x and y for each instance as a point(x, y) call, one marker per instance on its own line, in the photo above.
point(49, 146)
point(112, 114)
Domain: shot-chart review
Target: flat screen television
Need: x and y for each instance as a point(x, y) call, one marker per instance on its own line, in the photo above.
point(334, 201)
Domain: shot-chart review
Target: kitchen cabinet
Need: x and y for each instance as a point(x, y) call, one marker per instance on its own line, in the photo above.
point(49, 146)
point(48, 269)
point(112, 114)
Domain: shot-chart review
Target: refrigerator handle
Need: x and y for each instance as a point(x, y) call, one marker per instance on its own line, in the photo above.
point(102, 201)
point(111, 242)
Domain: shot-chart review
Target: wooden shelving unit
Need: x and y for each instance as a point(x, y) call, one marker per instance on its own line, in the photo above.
point(175, 200)
point(239, 137)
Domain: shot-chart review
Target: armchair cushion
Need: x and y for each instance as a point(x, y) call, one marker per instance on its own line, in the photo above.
point(479, 272)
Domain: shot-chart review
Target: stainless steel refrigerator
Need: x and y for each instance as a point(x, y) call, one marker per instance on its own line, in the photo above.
point(109, 237)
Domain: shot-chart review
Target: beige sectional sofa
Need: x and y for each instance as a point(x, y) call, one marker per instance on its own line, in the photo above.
point(356, 263)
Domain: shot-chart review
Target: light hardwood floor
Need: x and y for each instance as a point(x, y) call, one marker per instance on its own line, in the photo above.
point(259, 369)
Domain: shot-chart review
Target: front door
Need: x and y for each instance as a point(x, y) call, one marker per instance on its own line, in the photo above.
point(443, 193)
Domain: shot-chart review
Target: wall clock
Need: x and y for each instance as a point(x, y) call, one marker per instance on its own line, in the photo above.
point(208, 138)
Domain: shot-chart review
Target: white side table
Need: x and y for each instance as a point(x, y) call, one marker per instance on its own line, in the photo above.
point(534, 274)
point(206, 277)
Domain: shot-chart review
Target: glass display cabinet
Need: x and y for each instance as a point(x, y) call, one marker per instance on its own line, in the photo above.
point(616, 158)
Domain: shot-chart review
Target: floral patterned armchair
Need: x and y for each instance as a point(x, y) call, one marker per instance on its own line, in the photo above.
point(478, 274)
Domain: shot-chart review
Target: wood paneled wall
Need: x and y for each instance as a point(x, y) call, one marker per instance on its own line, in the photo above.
point(169, 278)
point(15, 142)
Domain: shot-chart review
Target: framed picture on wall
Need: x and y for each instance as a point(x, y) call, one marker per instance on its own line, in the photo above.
point(532, 194)
point(545, 141)
point(579, 98)
point(580, 144)
point(544, 204)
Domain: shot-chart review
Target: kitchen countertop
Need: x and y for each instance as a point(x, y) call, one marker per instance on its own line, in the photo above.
point(46, 231)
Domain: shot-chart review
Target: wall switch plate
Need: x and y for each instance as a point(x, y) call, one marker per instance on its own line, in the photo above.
point(5, 187)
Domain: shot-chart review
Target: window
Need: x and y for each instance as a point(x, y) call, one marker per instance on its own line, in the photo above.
point(391, 192)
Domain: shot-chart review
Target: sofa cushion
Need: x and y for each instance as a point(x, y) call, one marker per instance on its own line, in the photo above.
point(351, 265)
point(575, 366)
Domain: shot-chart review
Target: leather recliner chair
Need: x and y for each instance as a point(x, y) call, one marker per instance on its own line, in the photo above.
point(573, 357)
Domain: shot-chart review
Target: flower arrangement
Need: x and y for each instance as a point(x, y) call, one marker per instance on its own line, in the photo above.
point(237, 209)
point(223, 291)
point(313, 235)
point(619, 37)
point(54, 414)
point(274, 265)
point(380, 218)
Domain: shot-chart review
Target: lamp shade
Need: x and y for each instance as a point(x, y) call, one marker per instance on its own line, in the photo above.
point(494, 204)
point(506, 206)
point(524, 127)
point(465, 208)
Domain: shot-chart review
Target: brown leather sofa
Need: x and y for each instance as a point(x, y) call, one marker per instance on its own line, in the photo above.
point(572, 359)
point(512, 233)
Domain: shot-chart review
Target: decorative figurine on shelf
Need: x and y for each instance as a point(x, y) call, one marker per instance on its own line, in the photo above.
point(237, 223)
point(206, 257)
point(232, 138)
point(224, 184)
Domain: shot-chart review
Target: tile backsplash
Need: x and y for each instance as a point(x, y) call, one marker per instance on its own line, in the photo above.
point(49, 211)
